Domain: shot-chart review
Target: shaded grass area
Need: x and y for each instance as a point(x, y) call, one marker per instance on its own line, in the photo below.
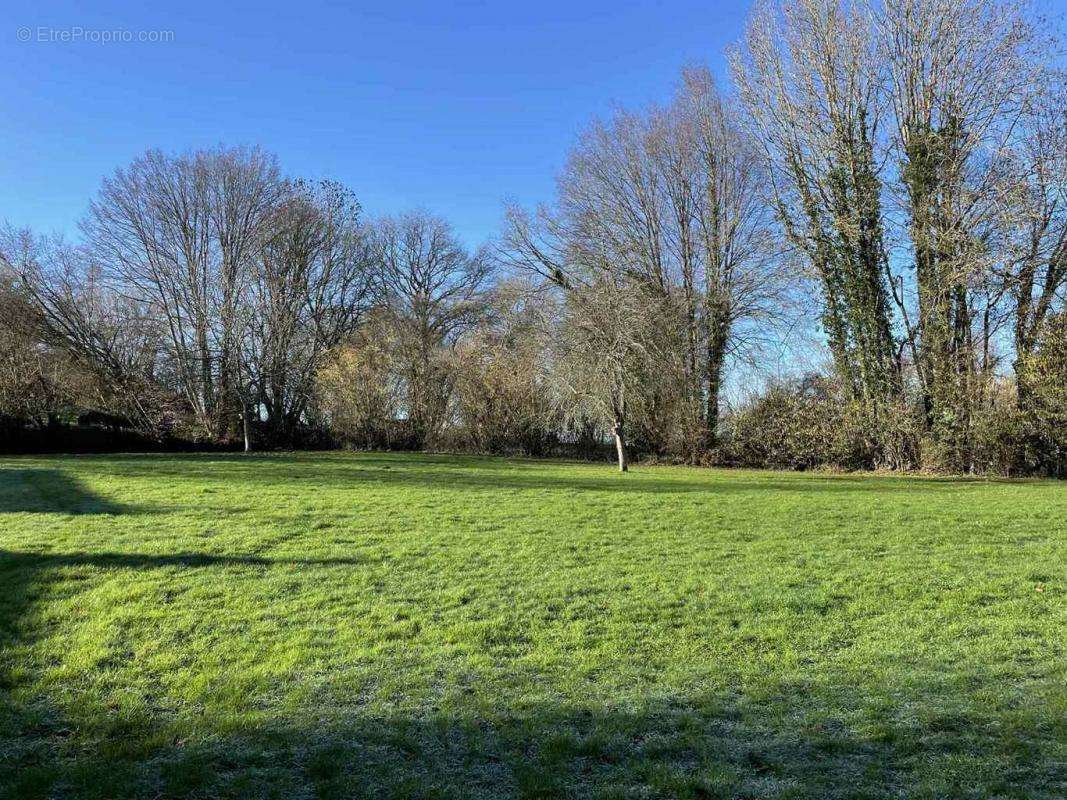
point(338, 625)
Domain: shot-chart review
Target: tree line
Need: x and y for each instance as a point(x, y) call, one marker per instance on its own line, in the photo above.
point(893, 170)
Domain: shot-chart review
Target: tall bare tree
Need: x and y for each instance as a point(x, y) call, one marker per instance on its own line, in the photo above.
point(719, 232)
point(179, 234)
point(310, 283)
point(665, 201)
point(806, 77)
point(434, 289)
point(960, 74)
point(1032, 210)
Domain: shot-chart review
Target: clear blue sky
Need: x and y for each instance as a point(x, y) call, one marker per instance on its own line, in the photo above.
point(451, 107)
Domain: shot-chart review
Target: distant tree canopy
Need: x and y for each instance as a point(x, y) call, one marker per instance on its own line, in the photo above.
point(890, 174)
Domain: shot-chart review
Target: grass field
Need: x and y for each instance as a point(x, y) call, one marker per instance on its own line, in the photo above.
point(336, 625)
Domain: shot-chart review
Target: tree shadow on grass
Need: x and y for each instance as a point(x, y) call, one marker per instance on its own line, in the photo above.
point(40, 490)
point(50, 491)
point(690, 744)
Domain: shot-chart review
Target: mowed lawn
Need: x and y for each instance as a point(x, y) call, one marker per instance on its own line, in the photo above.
point(350, 625)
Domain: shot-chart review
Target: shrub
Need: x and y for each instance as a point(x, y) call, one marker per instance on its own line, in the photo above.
point(796, 424)
point(359, 395)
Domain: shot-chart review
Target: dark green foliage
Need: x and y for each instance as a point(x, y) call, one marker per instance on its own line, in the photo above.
point(1044, 415)
point(844, 240)
point(869, 364)
point(943, 252)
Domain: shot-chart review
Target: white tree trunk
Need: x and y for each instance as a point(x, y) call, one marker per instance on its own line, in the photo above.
point(246, 427)
point(620, 447)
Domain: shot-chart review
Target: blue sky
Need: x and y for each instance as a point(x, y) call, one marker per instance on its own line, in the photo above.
point(450, 107)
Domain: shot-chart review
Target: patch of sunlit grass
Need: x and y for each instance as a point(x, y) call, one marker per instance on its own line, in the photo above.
point(340, 625)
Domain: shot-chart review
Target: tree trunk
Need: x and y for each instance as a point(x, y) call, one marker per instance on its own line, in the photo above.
point(1024, 390)
point(206, 389)
point(246, 427)
point(620, 447)
point(716, 354)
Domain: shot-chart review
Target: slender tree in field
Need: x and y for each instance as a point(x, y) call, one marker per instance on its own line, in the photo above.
point(606, 352)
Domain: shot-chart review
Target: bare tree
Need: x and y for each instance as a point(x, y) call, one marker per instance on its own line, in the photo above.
point(607, 350)
point(243, 190)
point(70, 308)
point(720, 233)
point(598, 342)
point(310, 284)
point(806, 77)
point(960, 74)
point(1032, 212)
point(667, 201)
point(434, 289)
point(178, 233)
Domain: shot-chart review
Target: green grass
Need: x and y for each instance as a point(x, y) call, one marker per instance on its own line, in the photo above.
point(336, 625)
